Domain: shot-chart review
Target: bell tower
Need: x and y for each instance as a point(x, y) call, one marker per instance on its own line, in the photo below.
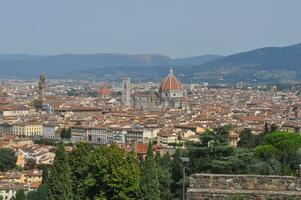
point(126, 92)
point(42, 89)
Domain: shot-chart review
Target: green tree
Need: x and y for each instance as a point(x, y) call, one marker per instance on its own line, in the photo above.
point(8, 159)
point(66, 133)
point(177, 175)
point(81, 161)
point(45, 175)
point(164, 176)
point(20, 195)
point(247, 139)
point(213, 155)
point(237, 197)
point(210, 148)
point(104, 173)
point(273, 127)
point(149, 178)
point(40, 194)
point(59, 184)
point(283, 147)
point(222, 133)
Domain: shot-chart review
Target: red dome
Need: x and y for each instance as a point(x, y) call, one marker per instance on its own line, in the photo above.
point(104, 92)
point(170, 83)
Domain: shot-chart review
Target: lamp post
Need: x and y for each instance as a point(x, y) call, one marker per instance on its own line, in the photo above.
point(184, 160)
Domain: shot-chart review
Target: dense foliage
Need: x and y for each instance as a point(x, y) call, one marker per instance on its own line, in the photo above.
point(59, 183)
point(66, 133)
point(7, 159)
point(104, 173)
point(270, 153)
point(149, 178)
point(20, 195)
point(97, 172)
point(40, 194)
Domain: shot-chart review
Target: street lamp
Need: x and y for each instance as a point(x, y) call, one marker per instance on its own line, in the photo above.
point(184, 160)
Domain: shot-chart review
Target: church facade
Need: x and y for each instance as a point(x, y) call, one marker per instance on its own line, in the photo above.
point(171, 91)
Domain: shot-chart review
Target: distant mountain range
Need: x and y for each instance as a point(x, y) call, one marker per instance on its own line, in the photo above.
point(21, 65)
point(264, 65)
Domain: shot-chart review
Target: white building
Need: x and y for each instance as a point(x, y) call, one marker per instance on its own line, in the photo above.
point(99, 135)
point(9, 190)
point(150, 133)
point(13, 111)
point(49, 131)
point(79, 134)
point(134, 134)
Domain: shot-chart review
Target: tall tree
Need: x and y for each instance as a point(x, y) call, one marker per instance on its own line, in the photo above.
point(81, 161)
point(283, 147)
point(247, 139)
point(177, 175)
point(119, 175)
point(59, 183)
point(104, 173)
point(164, 176)
point(20, 195)
point(149, 178)
point(273, 127)
point(45, 175)
point(40, 194)
point(7, 159)
point(66, 133)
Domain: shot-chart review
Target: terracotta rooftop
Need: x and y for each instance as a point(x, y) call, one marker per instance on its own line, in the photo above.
point(170, 83)
point(104, 91)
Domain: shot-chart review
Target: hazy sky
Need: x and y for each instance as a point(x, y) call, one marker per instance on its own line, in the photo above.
point(177, 28)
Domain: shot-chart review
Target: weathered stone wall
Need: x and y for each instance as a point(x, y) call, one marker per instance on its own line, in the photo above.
point(220, 186)
point(245, 182)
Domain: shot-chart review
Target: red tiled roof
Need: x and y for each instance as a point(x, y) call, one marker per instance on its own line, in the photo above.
point(141, 148)
point(35, 185)
point(170, 83)
point(104, 91)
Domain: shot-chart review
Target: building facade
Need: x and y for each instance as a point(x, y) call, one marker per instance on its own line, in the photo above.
point(99, 135)
point(126, 92)
point(27, 128)
point(49, 131)
point(171, 91)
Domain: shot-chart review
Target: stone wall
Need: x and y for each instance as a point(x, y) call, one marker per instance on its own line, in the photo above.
point(221, 186)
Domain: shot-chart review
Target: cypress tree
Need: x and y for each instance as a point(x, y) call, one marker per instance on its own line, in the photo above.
point(177, 175)
point(20, 195)
point(59, 183)
point(149, 178)
point(164, 176)
point(45, 175)
point(40, 194)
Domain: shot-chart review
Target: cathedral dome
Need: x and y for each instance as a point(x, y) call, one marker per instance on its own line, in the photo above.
point(170, 83)
point(104, 91)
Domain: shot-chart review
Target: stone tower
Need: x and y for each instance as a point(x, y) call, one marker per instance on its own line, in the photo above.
point(126, 92)
point(42, 88)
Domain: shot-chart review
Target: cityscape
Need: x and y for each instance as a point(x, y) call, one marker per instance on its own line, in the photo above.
point(145, 126)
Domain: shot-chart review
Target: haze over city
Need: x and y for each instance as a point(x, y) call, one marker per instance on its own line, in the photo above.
point(150, 100)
